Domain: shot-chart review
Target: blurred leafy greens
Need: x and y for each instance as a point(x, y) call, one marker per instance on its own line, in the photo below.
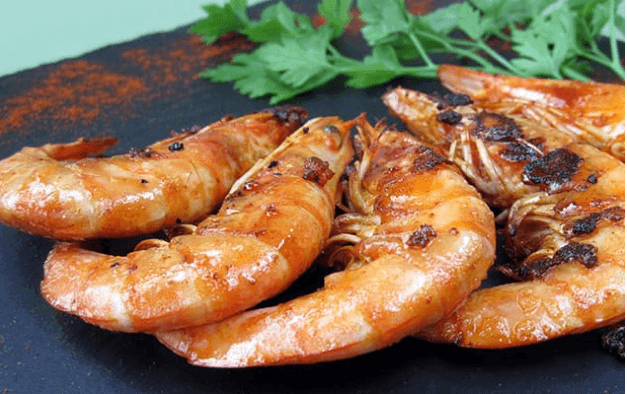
point(554, 39)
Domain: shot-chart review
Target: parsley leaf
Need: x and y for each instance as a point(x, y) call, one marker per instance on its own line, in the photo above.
point(337, 14)
point(231, 17)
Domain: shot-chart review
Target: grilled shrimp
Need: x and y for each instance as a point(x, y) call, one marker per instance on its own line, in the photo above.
point(417, 242)
point(565, 224)
point(270, 228)
point(568, 250)
point(593, 112)
point(490, 148)
point(58, 191)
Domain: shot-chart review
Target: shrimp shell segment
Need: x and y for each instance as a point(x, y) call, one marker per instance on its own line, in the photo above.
point(270, 228)
point(424, 241)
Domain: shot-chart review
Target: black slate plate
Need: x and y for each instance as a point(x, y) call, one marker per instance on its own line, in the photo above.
point(42, 350)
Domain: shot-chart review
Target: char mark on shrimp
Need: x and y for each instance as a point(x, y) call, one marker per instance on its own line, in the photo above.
point(450, 117)
point(450, 100)
point(553, 169)
point(421, 237)
point(490, 126)
point(588, 224)
point(613, 340)
point(317, 171)
point(517, 151)
point(573, 252)
point(426, 159)
point(288, 114)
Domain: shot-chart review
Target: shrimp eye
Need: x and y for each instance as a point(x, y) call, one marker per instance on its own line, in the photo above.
point(334, 133)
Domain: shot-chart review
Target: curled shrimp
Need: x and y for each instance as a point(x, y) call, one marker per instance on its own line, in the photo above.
point(420, 239)
point(568, 250)
point(58, 191)
point(593, 112)
point(268, 231)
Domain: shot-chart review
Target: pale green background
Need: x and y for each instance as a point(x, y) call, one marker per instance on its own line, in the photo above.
point(38, 32)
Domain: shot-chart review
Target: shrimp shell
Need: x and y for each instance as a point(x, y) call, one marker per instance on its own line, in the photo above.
point(569, 248)
point(268, 231)
point(57, 191)
point(593, 112)
point(425, 241)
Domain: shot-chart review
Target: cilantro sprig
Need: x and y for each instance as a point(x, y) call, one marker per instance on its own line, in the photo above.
point(555, 39)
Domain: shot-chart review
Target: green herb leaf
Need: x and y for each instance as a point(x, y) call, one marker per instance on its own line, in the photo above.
point(298, 59)
point(231, 17)
point(337, 14)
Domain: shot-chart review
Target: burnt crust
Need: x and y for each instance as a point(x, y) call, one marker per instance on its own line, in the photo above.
point(425, 159)
point(613, 340)
point(317, 171)
point(517, 151)
point(573, 252)
point(450, 100)
point(450, 117)
point(490, 126)
point(289, 114)
point(588, 224)
point(421, 237)
point(554, 169)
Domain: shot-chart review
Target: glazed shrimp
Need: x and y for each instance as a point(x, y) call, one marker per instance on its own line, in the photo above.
point(569, 251)
point(268, 231)
point(593, 112)
point(490, 148)
point(57, 191)
point(420, 240)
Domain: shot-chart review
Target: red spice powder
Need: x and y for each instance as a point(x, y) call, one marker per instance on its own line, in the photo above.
point(183, 62)
point(76, 92)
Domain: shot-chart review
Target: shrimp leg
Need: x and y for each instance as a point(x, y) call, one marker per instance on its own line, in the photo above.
point(57, 191)
point(427, 240)
point(268, 231)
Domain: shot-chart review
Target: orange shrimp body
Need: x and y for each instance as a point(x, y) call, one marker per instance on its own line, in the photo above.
point(57, 191)
point(420, 239)
point(569, 251)
point(593, 112)
point(268, 231)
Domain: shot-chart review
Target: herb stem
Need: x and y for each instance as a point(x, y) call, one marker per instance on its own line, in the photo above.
point(460, 51)
point(500, 59)
point(616, 66)
point(574, 74)
point(421, 51)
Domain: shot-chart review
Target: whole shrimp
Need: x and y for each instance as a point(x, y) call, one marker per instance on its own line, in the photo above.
point(268, 231)
point(490, 148)
point(57, 191)
point(565, 223)
point(420, 239)
point(593, 112)
point(568, 250)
